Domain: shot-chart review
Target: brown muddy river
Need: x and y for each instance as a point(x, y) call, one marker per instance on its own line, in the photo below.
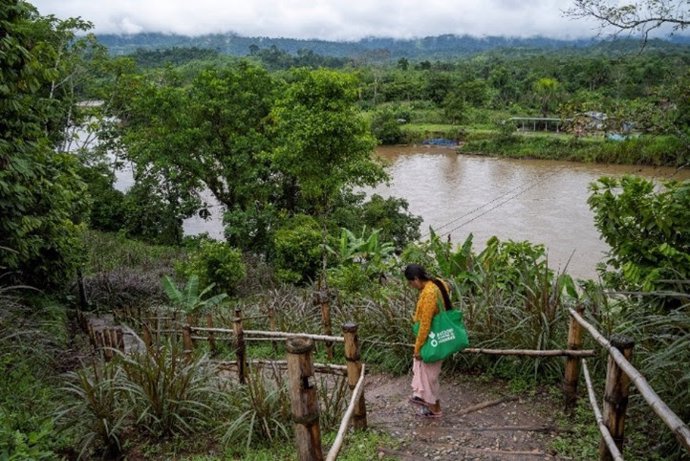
point(541, 201)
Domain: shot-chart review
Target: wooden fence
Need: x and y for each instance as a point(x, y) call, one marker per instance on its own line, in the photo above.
point(619, 374)
point(301, 369)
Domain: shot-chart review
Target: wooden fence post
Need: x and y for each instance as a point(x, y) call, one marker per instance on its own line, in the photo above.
point(120, 340)
point(240, 347)
point(187, 342)
point(572, 364)
point(303, 399)
point(354, 370)
point(322, 299)
point(616, 396)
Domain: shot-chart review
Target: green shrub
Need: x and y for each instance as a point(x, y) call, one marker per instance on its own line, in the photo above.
point(298, 249)
point(216, 263)
point(260, 413)
point(386, 128)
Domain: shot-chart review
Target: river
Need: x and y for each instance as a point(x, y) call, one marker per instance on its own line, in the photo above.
point(542, 201)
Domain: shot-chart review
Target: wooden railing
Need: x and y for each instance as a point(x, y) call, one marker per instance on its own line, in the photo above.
point(301, 369)
point(619, 374)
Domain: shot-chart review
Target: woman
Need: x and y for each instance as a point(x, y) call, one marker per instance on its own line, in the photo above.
point(425, 385)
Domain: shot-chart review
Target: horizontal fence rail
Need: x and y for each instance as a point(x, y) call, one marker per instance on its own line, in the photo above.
point(677, 426)
point(271, 335)
point(356, 394)
point(610, 443)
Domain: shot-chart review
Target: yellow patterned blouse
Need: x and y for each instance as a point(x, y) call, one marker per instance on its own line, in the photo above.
point(427, 307)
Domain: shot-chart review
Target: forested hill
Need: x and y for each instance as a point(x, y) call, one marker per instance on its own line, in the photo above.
point(374, 49)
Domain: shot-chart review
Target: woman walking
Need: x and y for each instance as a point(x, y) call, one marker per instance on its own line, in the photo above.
point(425, 383)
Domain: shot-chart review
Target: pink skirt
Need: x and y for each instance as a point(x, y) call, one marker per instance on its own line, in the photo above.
point(425, 383)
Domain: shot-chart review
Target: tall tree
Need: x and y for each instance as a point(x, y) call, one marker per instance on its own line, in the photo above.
point(42, 199)
point(323, 140)
point(211, 133)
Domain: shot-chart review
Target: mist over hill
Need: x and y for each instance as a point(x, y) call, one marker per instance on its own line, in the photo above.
point(375, 49)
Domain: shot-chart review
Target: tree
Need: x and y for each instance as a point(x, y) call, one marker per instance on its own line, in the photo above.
point(211, 133)
point(42, 199)
point(640, 16)
point(546, 90)
point(648, 233)
point(323, 141)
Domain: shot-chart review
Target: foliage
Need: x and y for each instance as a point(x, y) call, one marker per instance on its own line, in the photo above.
point(386, 128)
point(645, 150)
point(219, 120)
point(42, 200)
point(641, 16)
point(298, 249)
point(648, 233)
point(389, 215)
point(168, 393)
point(662, 340)
point(158, 394)
point(96, 407)
point(124, 287)
point(217, 264)
point(262, 413)
point(120, 272)
point(154, 211)
point(324, 143)
point(189, 300)
point(108, 212)
point(360, 260)
point(31, 338)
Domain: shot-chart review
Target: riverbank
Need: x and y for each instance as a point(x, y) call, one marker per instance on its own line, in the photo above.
point(649, 150)
point(643, 150)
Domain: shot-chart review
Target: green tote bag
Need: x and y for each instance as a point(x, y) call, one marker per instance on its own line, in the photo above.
point(446, 336)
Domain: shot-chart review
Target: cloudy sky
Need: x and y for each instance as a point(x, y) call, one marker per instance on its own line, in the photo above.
point(326, 19)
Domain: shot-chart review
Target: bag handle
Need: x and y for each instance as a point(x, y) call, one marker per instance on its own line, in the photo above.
point(444, 293)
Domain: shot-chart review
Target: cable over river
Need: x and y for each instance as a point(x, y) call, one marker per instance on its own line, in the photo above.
point(542, 201)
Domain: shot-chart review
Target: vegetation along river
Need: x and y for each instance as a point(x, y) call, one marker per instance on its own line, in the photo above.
point(542, 201)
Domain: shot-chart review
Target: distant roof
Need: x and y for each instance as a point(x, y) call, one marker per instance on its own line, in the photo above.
point(90, 103)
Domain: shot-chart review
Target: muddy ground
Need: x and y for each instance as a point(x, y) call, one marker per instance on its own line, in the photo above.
point(510, 426)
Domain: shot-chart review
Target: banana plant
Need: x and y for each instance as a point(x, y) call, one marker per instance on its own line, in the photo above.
point(190, 299)
point(366, 249)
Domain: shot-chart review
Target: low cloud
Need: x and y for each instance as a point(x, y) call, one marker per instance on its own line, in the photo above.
point(326, 19)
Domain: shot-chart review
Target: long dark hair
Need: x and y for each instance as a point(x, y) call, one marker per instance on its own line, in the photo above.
point(416, 271)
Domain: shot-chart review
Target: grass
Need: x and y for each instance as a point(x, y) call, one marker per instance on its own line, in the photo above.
point(33, 337)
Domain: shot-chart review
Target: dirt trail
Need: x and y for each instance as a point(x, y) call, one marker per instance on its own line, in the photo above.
point(517, 429)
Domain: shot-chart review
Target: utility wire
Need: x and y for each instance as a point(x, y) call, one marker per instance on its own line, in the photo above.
point(525, 189)
point(473, 211)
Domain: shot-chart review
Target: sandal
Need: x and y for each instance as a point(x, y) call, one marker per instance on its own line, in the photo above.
point(427, 413)
point(417, 401)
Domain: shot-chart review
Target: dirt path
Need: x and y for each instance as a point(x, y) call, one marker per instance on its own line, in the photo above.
point(519, 428)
